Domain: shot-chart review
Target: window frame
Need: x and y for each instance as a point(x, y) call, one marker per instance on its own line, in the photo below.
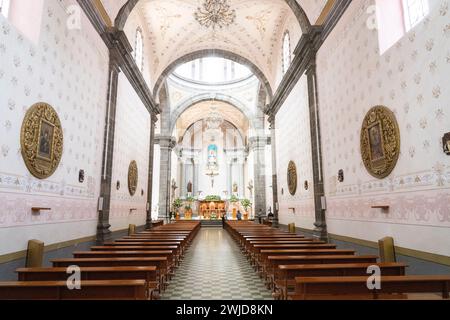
point(284, 58)
point(407, 12)
point(5, 5)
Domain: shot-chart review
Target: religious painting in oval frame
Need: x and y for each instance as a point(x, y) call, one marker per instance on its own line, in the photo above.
point(292, 178)
point(132, 178)
point(41, 140)
point(380, 142)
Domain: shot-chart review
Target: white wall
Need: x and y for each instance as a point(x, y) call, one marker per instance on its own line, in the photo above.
point(293, 143)
point(67, 69)
point(411, 79)
point(132, 142)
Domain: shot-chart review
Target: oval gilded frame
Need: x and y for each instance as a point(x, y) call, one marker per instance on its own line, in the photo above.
point(132, 177)
point(380, 142)
point(41, 140)
point(292, 178)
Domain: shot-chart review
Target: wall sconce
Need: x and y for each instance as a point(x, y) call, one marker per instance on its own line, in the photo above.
point(81, 176)
point(37, 210)
point(446, 143)
point(341, 176)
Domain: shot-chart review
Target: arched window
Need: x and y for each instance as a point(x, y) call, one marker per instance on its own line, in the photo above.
point(286, 52)
point(4, 7)
point(139, 50)
point(414, 11)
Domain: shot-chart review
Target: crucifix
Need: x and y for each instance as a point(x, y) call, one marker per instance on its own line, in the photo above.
point(212, 174)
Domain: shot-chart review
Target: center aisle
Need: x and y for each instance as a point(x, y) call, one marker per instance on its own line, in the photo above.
point(215, 269)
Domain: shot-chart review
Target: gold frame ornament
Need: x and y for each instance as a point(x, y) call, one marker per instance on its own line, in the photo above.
point(132, 178)
point(292, 178)
point(380, 142)
point(41, 140)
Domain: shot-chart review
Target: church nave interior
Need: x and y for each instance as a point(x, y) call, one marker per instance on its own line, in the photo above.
point(224, 150)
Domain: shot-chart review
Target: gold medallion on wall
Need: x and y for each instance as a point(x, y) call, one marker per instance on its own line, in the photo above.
point(292, 178)
point(132, 178)
point(41, 140)
point(380, 142)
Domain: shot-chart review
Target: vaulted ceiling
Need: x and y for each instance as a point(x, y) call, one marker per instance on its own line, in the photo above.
point(255, 35)
point(202, 110)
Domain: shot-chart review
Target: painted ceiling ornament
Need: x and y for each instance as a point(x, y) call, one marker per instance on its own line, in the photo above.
point(380, 142)
point(215, 13)
point(132, 178)
point(41, 140)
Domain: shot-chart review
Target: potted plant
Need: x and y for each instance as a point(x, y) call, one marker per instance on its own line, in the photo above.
point(188, 208)
point(177, 204)
point(246, 204)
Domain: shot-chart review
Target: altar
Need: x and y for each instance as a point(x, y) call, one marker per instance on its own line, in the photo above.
point(213, 210)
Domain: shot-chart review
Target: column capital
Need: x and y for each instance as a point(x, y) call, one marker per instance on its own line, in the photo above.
point(271, 120)
point(153, 118)
point(168, 142)
point(258, 142)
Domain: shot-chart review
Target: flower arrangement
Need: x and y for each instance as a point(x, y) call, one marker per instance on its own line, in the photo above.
point(234, 199)
point(213, 198)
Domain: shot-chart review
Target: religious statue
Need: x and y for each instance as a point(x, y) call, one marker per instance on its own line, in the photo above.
point(212, 158)
point(189, 187)
point(250, 187)
point(235, 188)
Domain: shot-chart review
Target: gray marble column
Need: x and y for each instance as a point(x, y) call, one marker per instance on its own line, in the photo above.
point(196, 177)
point(241, 168)
point(104, 206)
point(153, 120)
point(274, 171)
point(229, 178)
point(166, 145)
point(258, 147)
point(320, 230)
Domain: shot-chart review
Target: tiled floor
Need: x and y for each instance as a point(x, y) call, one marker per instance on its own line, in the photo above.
point(215, 269)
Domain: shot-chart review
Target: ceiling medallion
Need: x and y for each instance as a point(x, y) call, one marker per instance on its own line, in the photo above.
point(215, 13)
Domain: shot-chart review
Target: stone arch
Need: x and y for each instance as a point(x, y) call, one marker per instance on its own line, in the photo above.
point(210, 97)
point(216, 53)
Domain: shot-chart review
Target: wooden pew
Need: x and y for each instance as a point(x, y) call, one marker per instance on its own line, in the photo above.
point(58, 290)
point(274, 261)
point(253, 248)
point(264, 254)
point(285, 274)
point(171, 260)
point(356, 287)
point(99, 273)
point(159, 262)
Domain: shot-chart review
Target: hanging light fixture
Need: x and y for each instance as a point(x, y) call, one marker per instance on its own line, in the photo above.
point(215, 13)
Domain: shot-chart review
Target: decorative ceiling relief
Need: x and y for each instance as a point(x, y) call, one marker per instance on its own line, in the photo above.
point(215, 13)
point(250, 29)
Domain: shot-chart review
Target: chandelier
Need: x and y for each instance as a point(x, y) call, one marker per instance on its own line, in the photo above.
point(215, 13)
point(214, 121)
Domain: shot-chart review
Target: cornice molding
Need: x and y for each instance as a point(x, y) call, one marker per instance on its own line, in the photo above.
point(121, 53)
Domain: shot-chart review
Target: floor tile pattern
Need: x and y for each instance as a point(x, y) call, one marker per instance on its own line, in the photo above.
point(215, 269)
